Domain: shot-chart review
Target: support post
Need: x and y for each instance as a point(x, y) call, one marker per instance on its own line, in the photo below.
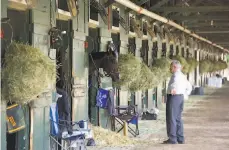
point(124, 95)
point(80, 63)
point(3, 125)
point(159, 87)
point(3, 131)
point(105, 37)
point(150, 91)
point(40, 124)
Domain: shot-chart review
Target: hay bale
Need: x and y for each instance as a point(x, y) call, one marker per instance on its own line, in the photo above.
point(129, 68)
point(104, 137)
point(217, 65)
point(146, 79)
point(134, 74)
point(205, 66)
point(26, 73)
point(161, 69)
point(221, 65)
point(192, 64)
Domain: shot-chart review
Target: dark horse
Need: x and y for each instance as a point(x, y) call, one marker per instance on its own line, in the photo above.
point(105, 60)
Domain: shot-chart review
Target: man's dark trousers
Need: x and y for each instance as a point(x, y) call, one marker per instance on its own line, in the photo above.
point(174, 123)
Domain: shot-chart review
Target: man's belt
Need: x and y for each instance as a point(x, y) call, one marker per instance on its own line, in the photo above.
point(175, 94)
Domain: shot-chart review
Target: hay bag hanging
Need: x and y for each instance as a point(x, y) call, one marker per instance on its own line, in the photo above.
point(129, 69)
point(205, 66)
point(26, 73)
point(160, 67)
point(145, 79)
point(192, 64)
point(15, 118)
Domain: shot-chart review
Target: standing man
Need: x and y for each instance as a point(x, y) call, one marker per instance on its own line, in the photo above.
point(177, 88)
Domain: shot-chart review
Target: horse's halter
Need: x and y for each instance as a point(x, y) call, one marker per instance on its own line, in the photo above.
point(107, 74)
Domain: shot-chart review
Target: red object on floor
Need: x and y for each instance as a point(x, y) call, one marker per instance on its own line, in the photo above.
point(1, 34)
point(85, 44)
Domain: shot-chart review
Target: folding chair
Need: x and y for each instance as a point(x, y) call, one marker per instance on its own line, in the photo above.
point(128, 115)
point(75, 141)
point(105, 100)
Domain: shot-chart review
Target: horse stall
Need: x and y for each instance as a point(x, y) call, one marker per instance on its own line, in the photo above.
point(93, 47)
point(61, 40)
point(16, 27)
point(132, 49)
point(64, 56)
point(116, 40)
point(144, 56)
point(164, 85)
point(154, 56)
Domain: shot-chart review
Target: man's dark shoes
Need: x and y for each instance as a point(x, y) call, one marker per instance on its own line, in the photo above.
point(169, 142)
point(181, 142)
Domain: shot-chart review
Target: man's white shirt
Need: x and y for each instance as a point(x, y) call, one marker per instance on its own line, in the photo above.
point(179, 82)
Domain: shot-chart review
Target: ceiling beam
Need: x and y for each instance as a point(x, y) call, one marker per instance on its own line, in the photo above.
point(212, 32)
point(159, 4)
point(192, 9)
point(220, 40)
point(108, 3)
point(217, 38)
point(223, 43)
point(192, 4)
point(200, 17)
point(207, 24)
point(141, 2)
point(210, 29)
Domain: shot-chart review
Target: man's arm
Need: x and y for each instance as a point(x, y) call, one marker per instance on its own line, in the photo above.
point(174, 84)
point(188, 88)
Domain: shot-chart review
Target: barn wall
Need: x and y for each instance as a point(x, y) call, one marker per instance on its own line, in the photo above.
point(42, 17)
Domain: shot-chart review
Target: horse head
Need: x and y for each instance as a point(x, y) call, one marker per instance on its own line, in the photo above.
point(107, 61)
point(110, 67)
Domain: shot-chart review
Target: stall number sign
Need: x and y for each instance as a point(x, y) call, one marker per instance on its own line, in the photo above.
point(12, 121)
point(15, 118)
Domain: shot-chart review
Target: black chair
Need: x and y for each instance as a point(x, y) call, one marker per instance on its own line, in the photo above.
point(126, 114)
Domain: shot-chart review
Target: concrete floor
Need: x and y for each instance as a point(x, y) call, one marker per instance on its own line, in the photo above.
point(206, 126)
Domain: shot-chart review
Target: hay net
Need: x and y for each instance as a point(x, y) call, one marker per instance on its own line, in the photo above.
point(26, 73)
point(136, 75)
point(160, 68)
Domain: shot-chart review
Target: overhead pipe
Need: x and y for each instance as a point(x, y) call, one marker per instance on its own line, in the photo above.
point(152, 15)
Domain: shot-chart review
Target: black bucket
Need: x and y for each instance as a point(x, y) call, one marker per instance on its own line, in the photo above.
point(199, 91)
point(15, 118)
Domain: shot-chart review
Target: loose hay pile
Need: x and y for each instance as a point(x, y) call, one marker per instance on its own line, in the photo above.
point(26, 73)
point(104, 137)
